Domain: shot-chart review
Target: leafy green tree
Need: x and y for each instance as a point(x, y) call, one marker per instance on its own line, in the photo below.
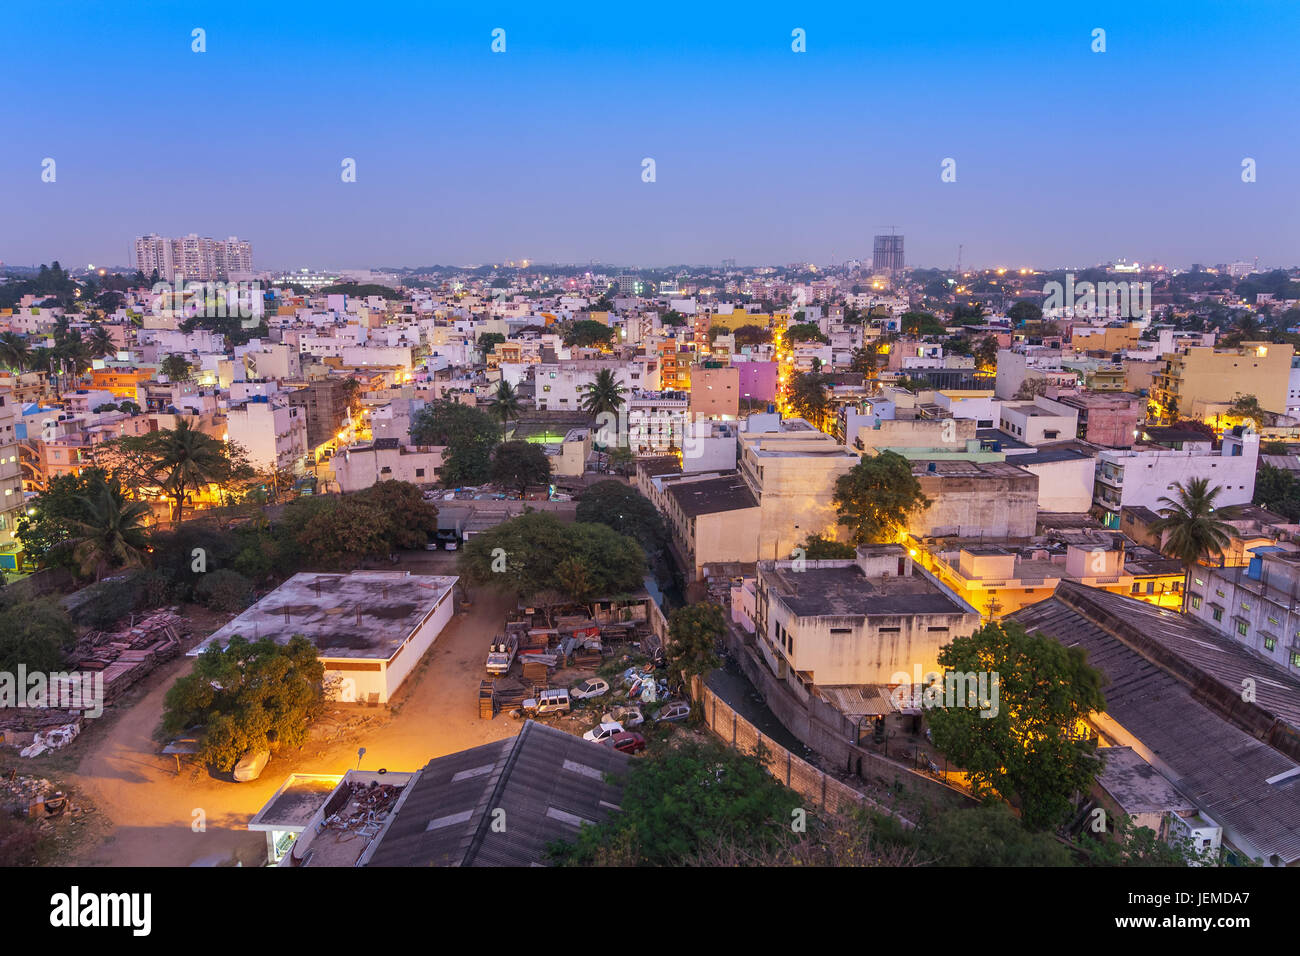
point(409, 520)
point(986, 352)
point(673, 318)
point(1025, 311)
point(345, 534)
point(1192, 529)
point(522, 557)
point(1247, 407)
point(588, 333)
point(866, 360)
point(1277, 490)
point(110, 534)
point(684, 798)
point(988, 835)
point(506, 405)
point(694, 632)
point(100, 343)
point(468, 434)
point(809, 397)
point(875, 498)
point(804, 332)
point(1023, 744)
point(224, 589)
point(520, 464)
point(627, 511)
point(248, 697)
point(920, 323)
point(752, 335)
point(818, 548)
point(487, 341)
point(48, 527)
point(1131, 845)
point(35, 634)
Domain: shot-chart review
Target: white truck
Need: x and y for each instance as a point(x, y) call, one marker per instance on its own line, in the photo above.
point(501, 654)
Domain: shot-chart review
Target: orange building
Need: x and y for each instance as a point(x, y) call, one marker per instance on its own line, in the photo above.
point(121, 382)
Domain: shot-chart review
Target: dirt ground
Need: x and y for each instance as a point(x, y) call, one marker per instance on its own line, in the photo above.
point(146, 814)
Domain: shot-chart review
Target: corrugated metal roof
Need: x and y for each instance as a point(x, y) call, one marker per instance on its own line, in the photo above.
point(544, 781)
point(1213, 761)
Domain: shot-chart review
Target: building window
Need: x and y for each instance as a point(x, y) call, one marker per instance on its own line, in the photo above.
point(1270, 643)
point(1242, 628)
point(1196, 603)
point(1217, 614)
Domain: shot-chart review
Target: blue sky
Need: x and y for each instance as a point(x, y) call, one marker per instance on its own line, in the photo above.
point(1064, 156)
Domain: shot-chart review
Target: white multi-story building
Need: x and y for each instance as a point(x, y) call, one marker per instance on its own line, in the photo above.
point(656, 422)
point(273, 432)
point(11, 483)
point(193, 257)
point(1257, 605)
point(1142, 475)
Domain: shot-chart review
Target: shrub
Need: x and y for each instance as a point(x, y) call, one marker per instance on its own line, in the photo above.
point(225, 590)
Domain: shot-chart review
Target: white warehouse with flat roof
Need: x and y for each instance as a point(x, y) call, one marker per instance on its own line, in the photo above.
point(370, 628)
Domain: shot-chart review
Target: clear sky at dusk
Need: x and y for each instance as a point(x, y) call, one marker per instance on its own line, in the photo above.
point(1064, 156)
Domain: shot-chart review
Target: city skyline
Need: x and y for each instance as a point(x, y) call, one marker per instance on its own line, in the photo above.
point(1062, 154)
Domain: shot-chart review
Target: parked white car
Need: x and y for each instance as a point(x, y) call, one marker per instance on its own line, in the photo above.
point(591, 687)
point(603, 731)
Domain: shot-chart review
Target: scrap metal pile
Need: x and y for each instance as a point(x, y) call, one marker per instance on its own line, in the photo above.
point(362, 808)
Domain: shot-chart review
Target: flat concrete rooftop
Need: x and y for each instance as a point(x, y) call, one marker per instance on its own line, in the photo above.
point(362, 614)
point(846, 592)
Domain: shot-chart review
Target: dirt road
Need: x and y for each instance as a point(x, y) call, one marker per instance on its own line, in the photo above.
point(156, 814)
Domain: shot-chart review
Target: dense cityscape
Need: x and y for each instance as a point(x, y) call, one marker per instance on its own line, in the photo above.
point(642, 520)
point(854, 443)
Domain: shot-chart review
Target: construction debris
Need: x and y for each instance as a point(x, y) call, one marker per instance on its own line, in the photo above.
point(128, 655)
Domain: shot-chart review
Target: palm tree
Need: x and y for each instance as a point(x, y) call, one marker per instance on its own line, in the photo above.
point(603, 395)
point(100, 343)
point(14, 351)
point(506, 405)
point(1196, 529)
point(112, 532)
point(185, 459)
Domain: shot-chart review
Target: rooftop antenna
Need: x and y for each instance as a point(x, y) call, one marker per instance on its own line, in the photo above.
point(960, 247)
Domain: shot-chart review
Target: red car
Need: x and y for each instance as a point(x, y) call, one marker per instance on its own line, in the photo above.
point(627, 742)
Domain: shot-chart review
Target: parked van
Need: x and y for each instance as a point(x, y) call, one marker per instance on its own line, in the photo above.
point(548, 702)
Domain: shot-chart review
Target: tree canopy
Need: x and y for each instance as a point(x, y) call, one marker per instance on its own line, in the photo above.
point(247, 697)
point(627, 511)
point(468, 433)
point(1024, 744)
point(588, 333)
point(682, 799)
point(875, 498)
point(520, 465)
point(530, 554)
